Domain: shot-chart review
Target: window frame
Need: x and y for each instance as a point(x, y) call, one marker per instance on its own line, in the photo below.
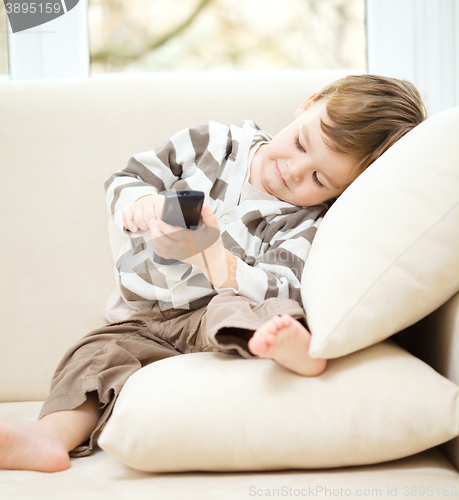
point(56, 49)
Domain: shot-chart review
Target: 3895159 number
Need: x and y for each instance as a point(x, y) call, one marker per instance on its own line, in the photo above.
point(428, 491)
point(33, 8)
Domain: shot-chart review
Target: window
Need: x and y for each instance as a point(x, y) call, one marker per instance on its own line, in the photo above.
point(183, 35)
point(417, 40)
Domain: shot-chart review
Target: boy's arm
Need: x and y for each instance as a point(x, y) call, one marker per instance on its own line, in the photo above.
point(276, 273)
point(146, 173)
point(202, 248)
point(218, 267)
point(179, 159)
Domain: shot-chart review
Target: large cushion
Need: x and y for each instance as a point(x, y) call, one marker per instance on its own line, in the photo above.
point(216, 412)
point(387, 252)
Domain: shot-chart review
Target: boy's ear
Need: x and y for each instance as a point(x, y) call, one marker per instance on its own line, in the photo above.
point(306, 105)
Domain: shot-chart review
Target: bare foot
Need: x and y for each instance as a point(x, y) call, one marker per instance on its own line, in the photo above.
point(27, 446)
point(286, 340)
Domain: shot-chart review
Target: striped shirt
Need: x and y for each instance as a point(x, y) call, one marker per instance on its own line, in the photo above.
point(270, 238)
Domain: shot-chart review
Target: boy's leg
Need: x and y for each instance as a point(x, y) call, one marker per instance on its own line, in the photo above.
point(275, 329)
point(83, 391)
point(286, 341)
point(44, 445)
point(231, 320)
point(92, 373)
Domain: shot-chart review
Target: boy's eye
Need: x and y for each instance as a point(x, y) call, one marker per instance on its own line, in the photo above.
point(316, 180)
point(298, 144)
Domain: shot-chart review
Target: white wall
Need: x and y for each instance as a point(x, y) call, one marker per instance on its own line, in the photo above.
point(417, 40)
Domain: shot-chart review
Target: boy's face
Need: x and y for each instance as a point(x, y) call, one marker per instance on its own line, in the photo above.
point(298, 167)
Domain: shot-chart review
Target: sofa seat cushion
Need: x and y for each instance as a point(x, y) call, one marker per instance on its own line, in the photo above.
point(102, 477)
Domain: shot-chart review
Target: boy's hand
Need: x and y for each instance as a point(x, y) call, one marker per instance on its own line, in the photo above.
point(202, 247)
point(171, 242)
point(143, 210)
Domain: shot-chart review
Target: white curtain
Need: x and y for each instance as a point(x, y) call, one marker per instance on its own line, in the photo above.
point(417, 40)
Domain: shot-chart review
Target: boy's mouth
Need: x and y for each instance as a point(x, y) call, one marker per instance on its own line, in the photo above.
point(280, 176)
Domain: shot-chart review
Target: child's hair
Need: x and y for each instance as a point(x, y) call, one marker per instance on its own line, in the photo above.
point(368, 114)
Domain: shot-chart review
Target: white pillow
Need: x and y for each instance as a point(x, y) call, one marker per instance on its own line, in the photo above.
point(387, 252)
point(216, 412)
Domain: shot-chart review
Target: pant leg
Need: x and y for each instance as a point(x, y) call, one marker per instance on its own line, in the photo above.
point(102, 361)
point(231, 320)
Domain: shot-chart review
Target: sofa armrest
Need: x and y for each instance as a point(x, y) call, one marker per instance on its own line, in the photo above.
point(435, 340)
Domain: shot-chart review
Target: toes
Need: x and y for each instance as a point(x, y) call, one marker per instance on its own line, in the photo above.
point(277, 322)
point(264, 339)
point(270, 338)
point(282, 321)
point(287, 320)
point(258, 345)
point(262, 332)
point(271, 327)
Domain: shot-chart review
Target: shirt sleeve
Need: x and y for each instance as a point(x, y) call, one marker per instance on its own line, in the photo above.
point(189, 160)
point(278, 268)
point(155, 171)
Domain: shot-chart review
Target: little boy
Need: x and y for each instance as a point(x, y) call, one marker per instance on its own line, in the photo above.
point(265, 198)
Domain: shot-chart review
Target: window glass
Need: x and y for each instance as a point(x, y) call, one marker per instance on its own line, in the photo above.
point(182, 35)
point(3, 40)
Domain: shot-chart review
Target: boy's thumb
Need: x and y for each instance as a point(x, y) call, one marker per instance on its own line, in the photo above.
point(208, 217)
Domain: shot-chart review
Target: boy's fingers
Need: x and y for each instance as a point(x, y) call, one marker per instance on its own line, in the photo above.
point(154, 231)
point(139, 220)
point(208, 217)
point(127, 221)
point(160, 242)
point(153, 226)
point(159, 228)
point(148, 214)
point(141, 212)
point(167, 234)
point(167, 229)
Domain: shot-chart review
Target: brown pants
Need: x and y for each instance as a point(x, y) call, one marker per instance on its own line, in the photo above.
point(102, 361)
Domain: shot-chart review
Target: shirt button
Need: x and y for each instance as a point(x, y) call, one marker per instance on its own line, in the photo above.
point(178, 289)
point(226, 219)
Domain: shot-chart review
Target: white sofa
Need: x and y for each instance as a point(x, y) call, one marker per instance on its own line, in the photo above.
point(59, 141)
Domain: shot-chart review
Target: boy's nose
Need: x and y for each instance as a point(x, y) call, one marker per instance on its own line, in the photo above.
point(296, 169)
